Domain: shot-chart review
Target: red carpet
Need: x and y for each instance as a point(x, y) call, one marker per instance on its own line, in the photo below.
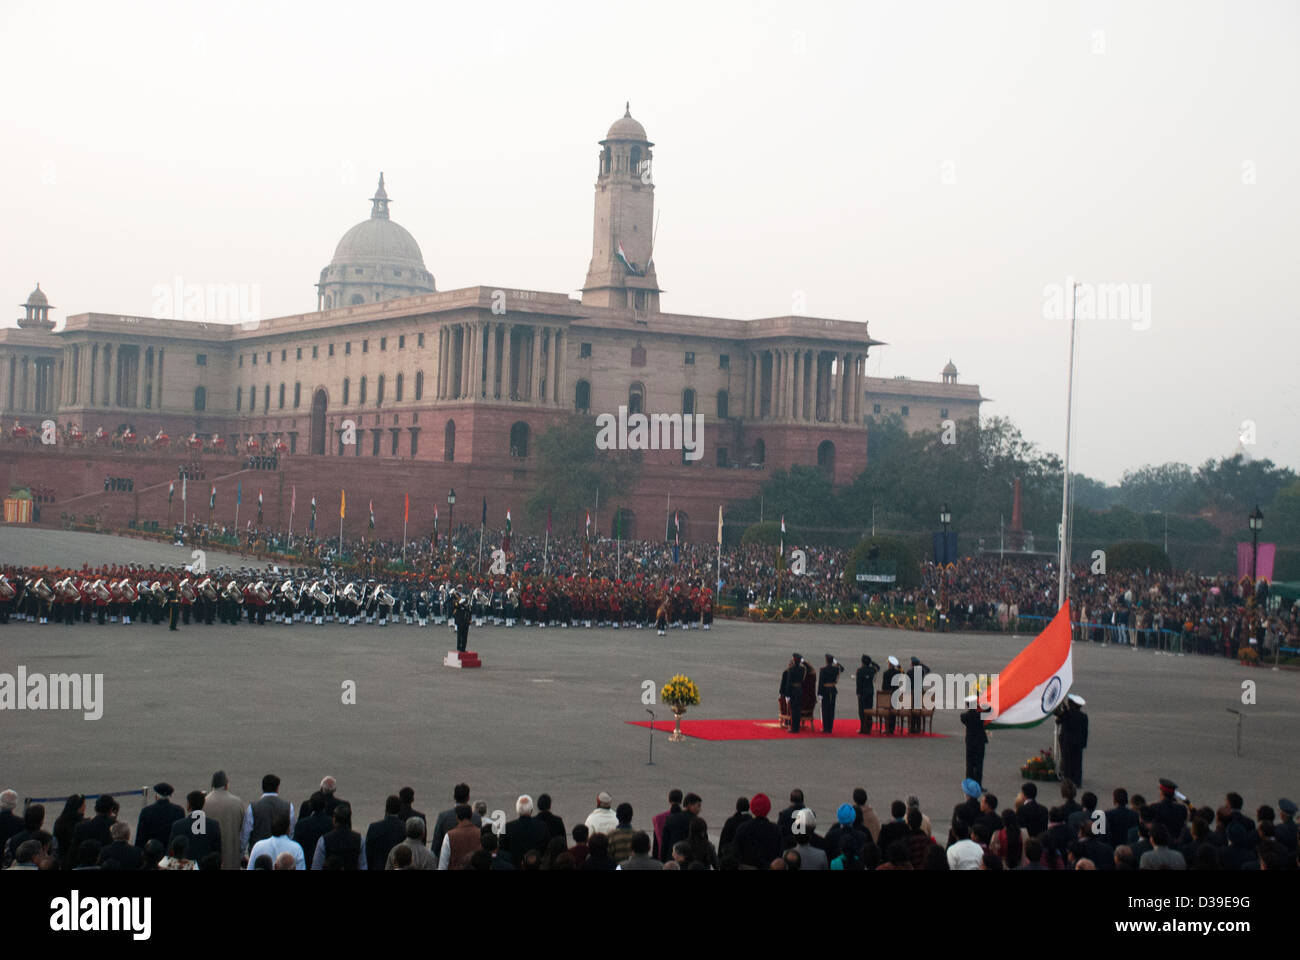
point(770, 729)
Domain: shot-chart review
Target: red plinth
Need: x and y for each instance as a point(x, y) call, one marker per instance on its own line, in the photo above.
point(460, 660)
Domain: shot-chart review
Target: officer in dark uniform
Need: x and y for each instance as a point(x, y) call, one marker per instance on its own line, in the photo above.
point(866, 681)
point(919, 671)
point(792, 690)
point(887, 685)
point(1169, 811)
point(173, 607)
point(976, 737)
point(462, 617)
point(1074, 737)
point(156, 819)
point(826, 681)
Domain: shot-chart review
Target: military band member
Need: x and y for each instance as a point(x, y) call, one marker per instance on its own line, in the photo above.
point(462, 617)
point(917, 678)
point(826, 682)
point(173, 608)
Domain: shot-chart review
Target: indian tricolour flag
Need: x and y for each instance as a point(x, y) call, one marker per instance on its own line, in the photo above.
point(623, 257)
point(1035, 683)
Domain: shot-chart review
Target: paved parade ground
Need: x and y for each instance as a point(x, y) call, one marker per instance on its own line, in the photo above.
point(549, 712)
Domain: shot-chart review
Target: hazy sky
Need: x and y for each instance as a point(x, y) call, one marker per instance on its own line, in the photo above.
point(928, 167)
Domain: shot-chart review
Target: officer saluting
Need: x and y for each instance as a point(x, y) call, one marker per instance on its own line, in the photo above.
point(462, 616)
point(866, 681)
point(976, 738)
point(826, 681)
point(1074, 737)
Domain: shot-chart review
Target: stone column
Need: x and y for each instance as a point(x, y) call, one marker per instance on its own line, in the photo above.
point(442, 359)
point(751, 385)
point(158, 378)
point(789, 383)
point(796, 407)
point(557, 345)
point(508, 353)
point(857, 389)
point(139, 379)
point(462, 361)
point(490, 388)
point(535, 374)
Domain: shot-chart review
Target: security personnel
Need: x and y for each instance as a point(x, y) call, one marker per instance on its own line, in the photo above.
point(1074, 737)
point(887, 685)
point(792, 689)
point(826, 681)
point(866, 681)
point(976, 738)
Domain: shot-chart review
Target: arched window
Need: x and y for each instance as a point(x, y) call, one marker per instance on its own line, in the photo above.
point(636, 398)
point(399, 388)
point(200, 398)
point(297, 395)
point(679, 525)
point(419, 384)
point(826, 456)
point(362, 397)
point(252, 399)
point(688, 401)
point(357, 299)
point(449, 441)
point(624, 527)
point(347, 390)
point(282, 396)
point(636, 161)
point(722, 405)
point(760, 451)
point(239, 399)
point(266, 398)
point(519, 439)
point(582, 396)
point(379, 392)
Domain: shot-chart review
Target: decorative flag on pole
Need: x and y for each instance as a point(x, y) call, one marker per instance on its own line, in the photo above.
point(505, 541)
point(293, 502)
point(184, 488)
point(677, 526)
point(239, 492)
point(343, 504)
point(372, 513)
point(435, 526)
point(783, 534)
point(1036, 681)
point(588, 524)
point(259, 507)
point(311, 526)
point(483, 522)
point(719, 524)
point(406, 511)
point(212, 498)
point(171, 492)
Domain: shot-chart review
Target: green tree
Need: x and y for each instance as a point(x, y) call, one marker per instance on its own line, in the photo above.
point(570, 469)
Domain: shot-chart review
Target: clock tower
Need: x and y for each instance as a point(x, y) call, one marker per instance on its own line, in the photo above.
point(622, 271)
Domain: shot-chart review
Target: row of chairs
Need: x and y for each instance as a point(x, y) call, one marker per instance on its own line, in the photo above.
point(882, 712)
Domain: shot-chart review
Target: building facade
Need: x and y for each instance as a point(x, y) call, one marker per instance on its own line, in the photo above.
point(474, 375)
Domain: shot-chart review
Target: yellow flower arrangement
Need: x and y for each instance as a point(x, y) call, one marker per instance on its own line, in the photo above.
point(681, 690)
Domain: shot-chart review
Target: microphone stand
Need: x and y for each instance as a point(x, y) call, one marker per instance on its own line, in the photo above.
point(651, 761)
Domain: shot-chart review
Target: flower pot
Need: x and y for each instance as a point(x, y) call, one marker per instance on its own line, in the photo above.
point(679, 711)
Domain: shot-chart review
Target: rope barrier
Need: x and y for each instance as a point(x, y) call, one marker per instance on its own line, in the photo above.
point(142, 792)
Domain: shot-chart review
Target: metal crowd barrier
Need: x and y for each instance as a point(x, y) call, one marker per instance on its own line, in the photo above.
point(1164, 640)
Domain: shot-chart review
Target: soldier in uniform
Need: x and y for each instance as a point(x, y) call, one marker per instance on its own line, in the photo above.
point(173, 607)
point(866, 686)
point(919, 671)
point(462, 616)
point(792, 689)
point(887, 685)
point(976, 738)
point(1169, 811)
point(826, 681)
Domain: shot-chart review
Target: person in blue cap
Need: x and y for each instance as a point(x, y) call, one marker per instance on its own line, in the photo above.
point(835, 836)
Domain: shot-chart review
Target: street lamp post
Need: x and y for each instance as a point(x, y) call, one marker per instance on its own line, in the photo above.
point(945, 518)
point(451, 524)
point(1256, 521)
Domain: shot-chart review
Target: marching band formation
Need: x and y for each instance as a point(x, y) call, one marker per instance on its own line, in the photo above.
point(133, 595)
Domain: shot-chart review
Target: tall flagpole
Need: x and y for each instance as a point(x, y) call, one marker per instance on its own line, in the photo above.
point(668, 515)
point(1063, 589)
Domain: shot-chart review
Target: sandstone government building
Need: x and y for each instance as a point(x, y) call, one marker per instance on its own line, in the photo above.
point(451, 388)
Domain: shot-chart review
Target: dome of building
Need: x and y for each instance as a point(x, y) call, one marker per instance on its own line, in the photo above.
point(950, 370)
point(37, 298)
point(625, 128)
point(376, 260)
